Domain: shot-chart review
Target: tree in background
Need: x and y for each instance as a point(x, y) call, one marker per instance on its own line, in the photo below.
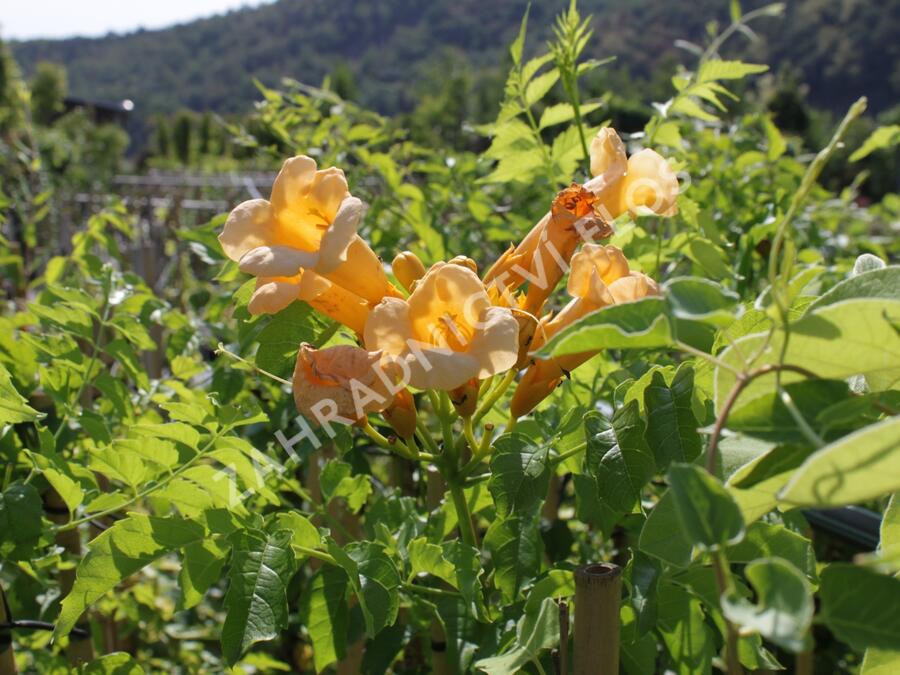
point(182, 136)
point(48, 92)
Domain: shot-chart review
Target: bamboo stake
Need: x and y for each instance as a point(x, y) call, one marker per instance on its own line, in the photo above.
point(598, 588)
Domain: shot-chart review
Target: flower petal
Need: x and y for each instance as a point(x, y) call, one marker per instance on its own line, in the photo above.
point(339, 236)
point(438, 368)
point(272, 295)
point(608, 162)
point(650, 184)
point(495, 345)
point(388, 327)
point(276, 261)
point(249, 225)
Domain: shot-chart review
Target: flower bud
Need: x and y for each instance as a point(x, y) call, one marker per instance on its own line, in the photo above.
point(401, 414)
point(465, 398)
point(408, 269)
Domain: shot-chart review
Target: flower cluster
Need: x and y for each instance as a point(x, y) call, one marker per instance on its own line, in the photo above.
point(444, 328)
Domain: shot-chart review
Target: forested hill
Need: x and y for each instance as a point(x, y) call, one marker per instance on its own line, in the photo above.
point(395, 48)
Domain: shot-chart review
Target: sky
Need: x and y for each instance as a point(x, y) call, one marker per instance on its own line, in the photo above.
point(26, 19)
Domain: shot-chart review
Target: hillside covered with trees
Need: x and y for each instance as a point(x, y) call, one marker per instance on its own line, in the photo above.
point(392, 54)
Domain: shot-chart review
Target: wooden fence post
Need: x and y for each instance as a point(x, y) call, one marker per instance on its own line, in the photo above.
point(598, 588)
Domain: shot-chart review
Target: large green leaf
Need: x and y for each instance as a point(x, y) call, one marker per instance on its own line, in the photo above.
point(881, 662)
point(662, 535)
point(784, 605)
point(618, 457)
point(864, 465)
point(535, 632)
point(686, 635)
point(697, 299)
point(516, 549)
point(520, 475)
point(117, 663)
point(877, 283)
point(256, 601)
point(836, 342)
point(861, 606)
point(632, 325)
point(20, 521)
point(324, 612)
point(126, 547)
point(671, 425)
point(710, 517)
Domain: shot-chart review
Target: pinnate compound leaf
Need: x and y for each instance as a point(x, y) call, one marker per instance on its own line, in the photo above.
point(280, 340)
point(617, 456)
point(129, 545)
point(709, 515)
point(863, 465)
point(261, 567)
point(784, 608)
point(861, 606)
point(535, 632)
point(520, 475)
point(671, 425)
point(201, 568)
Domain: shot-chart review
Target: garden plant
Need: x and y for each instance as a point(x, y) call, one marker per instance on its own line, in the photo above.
point(401, 415)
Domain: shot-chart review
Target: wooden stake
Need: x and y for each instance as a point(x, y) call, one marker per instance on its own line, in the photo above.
point(598, 588)
point(7, 657)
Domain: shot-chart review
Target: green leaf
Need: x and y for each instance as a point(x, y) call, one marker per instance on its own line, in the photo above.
point(375, 580)
point(889, 544)
point(564, 112)
point(280, 340)
point(129, 545)
point(520, 475)
point(539, 86)
point(875, 283)
point(201, 568)
point(838, 341)
point(696, 299)
point(535, 633)
point(20, 521)
point(662, 535)
point(337, 481)
point(880, 662)
point(516, 550)
point(515, 49)
point(860, 606)
point(644, 575)
point(303, 532)
point(710, 517)
point(323, 609)
point(671, 426)
point(863, 465)
point(784, 608)
point(557, 584)
point(715, 69)
point(618, 457)
point(14, 409)
point(764, 540)
point(686, 635)
point(881, 138)
point(116, 663)
point(632, 325)
point(256, 601)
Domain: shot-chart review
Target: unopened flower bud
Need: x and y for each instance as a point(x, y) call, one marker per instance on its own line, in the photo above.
point(408, 269)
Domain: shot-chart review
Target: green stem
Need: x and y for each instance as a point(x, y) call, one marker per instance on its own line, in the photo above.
point(466, 529)
point(314, 553)
point(494, 396)
point(571, 452)
point(725, 585)
point(428, 590)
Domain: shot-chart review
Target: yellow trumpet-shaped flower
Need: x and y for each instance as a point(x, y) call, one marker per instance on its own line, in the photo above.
point(447, 332)
point(642, 183)
point(599, 277)
point(543, 256)
point(311, 223)
point(275, 293)
point(341, 381)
